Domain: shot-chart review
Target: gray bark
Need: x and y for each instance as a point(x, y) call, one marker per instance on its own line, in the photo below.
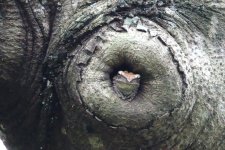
point(58, 60)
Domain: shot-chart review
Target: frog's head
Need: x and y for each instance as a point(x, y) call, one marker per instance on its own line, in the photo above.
point(129, 76)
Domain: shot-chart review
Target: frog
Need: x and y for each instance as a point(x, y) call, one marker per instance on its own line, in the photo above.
point(126, 85)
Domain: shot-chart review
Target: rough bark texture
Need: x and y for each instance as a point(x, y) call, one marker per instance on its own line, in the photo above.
point(58, 60)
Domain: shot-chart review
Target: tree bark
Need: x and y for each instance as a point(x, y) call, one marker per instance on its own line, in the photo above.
point(58, 60)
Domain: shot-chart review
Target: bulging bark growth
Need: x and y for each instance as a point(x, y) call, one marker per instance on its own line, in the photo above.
point(75, 54)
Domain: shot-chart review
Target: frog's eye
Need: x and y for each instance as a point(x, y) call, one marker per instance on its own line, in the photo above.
point(137, 76)
point(120, 72)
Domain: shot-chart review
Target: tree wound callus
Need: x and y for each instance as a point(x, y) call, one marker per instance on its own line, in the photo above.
point(113, 75)
point(128, 80)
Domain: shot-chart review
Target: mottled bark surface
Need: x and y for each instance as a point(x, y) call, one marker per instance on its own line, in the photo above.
point(58, 60)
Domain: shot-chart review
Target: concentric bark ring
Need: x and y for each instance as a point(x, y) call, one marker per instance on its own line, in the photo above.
point(137, 51)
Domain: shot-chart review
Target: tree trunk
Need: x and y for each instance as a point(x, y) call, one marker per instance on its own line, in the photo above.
point(59, 61)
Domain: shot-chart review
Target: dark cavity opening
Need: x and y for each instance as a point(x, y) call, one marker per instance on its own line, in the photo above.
point(122, 67)
point(134, 67)
point(124, 64)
